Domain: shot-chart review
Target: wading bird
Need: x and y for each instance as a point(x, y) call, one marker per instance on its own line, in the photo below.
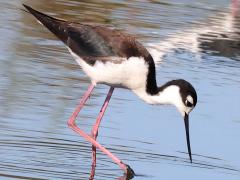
point(118, 60)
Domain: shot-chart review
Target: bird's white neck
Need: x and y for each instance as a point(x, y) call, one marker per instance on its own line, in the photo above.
point(169, 95)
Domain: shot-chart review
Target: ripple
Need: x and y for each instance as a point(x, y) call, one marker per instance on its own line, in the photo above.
point(40, 84)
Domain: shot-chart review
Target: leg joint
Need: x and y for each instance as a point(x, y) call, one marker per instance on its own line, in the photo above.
point(71, 123)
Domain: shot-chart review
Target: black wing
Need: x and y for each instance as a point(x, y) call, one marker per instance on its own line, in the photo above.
point(90, 41)
point(94, 43)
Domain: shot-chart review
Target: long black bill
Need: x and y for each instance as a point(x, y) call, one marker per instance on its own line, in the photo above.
point(186, 121)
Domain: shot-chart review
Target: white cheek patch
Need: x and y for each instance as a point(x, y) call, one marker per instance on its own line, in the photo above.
point(190, 99)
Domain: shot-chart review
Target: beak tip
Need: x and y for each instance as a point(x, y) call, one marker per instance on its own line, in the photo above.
point(187, 136)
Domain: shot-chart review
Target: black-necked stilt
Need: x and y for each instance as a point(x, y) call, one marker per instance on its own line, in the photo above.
point(111, 57)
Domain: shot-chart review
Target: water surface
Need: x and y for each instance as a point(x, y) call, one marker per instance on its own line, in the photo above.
point(40, 85)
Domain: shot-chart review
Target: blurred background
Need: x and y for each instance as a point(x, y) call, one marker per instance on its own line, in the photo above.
point(40, 85)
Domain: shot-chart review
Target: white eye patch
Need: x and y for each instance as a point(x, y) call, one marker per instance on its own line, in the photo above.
point(190, 99)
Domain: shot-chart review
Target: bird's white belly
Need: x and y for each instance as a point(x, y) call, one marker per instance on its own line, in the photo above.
point(130, 73)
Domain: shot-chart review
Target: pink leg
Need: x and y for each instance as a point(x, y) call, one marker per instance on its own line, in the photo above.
point(235, 7)
point(74, 127)
point(71, 121)
point(102, 111)
point(95, 130)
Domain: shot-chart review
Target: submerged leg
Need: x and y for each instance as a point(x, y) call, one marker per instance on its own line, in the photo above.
point(95, 129)
point(74, 127)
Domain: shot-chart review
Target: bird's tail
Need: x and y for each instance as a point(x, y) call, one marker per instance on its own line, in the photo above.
point(56, 26)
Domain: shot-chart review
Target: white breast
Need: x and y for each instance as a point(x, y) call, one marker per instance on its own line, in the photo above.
point(130, 73)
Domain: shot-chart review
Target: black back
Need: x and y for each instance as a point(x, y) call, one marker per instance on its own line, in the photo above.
point(94, 43)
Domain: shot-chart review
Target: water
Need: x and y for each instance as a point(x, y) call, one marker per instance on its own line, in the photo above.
point(40, 85)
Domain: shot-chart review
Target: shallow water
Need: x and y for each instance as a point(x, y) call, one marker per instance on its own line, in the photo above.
point(40, 85)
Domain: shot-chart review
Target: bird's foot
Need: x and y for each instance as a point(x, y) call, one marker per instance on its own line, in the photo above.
point(130, 173)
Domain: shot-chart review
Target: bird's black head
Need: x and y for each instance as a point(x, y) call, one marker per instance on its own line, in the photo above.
point(184, 97)
point(187, 92)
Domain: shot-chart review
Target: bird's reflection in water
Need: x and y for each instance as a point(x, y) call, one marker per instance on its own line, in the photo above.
point(92, 173)
point(226, 42)
point(93, 167)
